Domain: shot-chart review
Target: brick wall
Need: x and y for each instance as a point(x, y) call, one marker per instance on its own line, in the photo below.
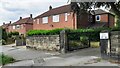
point(53, 25)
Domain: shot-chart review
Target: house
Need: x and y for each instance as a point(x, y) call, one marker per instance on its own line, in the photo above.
point(103, 19)
point(22, 25)
point(64, 17)
point(61, 17)
point(6, 26)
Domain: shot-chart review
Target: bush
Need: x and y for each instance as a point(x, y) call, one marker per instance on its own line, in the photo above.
point(44, 32)
point(13, 34)
point(118, 23)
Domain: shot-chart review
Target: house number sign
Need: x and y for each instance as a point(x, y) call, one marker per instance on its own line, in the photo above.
point(104, 36)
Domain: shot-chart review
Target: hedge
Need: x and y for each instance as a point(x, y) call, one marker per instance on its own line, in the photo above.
point(93, 33)
point(44, 32)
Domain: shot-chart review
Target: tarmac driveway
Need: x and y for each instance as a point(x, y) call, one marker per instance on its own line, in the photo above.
point(27, 57)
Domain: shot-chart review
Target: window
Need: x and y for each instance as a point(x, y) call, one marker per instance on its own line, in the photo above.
point(56, 18)
point(98, 18)
point(45, 20)
point(13, 27)
point(37, 21)
point(66, 17)
point(17, 26)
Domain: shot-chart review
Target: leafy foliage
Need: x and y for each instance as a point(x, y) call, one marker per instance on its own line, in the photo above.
point(5, 59)
point(13, 34)
point(118, 24)
point(84, 6)
point(44, 32)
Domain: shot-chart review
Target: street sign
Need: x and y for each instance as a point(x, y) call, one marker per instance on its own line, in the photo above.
point(104, 36)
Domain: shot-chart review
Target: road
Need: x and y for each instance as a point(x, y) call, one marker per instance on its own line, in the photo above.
point(83, 57)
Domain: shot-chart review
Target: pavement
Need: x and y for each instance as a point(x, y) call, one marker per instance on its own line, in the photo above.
point(27, 57)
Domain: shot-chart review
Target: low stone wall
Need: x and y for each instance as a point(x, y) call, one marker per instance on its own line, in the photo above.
point(44, 42)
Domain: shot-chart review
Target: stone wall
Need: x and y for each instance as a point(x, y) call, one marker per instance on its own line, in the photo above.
point(44, 42)
point(115, 42)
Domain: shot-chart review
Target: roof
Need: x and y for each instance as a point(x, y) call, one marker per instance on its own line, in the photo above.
point(5, 25)
point(100, 11)
point(55, 11)
point(27, 20)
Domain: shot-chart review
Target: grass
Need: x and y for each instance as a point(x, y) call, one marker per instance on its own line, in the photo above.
point(4, 59)
point(94, 44)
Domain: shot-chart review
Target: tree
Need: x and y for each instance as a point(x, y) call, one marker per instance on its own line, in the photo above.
point(84, 6)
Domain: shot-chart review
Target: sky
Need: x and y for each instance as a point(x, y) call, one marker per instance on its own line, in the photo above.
point(12, 10)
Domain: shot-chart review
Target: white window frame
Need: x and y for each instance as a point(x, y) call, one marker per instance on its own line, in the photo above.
point(13, 27)
point(17, 26)
point(38, 21)
point(99, 17)
point(56, 18)
point(45, 20)
point(66, 16)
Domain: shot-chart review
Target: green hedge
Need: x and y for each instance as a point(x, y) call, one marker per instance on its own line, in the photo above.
point(44, 32)
point(13, 34)
point(93, 33)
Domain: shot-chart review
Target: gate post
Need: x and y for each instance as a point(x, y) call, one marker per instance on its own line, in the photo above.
point(63, 41)
point(105, 44)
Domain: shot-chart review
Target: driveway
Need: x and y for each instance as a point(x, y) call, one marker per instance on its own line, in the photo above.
point(83, 57)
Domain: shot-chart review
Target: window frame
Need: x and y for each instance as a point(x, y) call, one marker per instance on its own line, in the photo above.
point(58, 18)
point(66, 17)
point(45, 20)
point(99, 17)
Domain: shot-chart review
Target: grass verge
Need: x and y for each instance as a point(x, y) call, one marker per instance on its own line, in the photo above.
point(4, 59)
point(94, 44)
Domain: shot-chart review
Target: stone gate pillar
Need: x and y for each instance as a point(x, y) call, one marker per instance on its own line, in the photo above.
point(105, 44)
point(63, 41)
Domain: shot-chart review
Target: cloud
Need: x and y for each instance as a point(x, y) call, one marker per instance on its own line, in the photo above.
point(13, 9)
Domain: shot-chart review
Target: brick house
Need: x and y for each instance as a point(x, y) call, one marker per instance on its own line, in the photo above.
point(103, 19)
point(6, 26)
point(22, 25)
point(64, 17)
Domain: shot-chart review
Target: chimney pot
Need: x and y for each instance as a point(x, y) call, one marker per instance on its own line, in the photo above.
point(10, 22)
point(20, 18)
point(3, 23)
point(50, 7)
point(30, 15)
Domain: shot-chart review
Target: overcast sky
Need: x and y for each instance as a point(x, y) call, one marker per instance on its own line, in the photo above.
point(11, 10)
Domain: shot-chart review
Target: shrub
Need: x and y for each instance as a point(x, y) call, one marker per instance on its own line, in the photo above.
point(118, 23)
point(44, 32)
point(13, 34)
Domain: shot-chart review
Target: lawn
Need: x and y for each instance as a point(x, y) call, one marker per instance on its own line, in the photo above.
point(4, 59)
point(94, 44)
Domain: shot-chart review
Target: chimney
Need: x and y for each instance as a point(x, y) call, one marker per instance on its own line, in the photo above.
point(10, 22)
point(50, 7)
point(20, 18)
point(3, 23)
point(30, 15)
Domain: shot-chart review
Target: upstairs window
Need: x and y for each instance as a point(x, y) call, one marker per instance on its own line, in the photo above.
point(56, 18)
point(66, 16)
point(98, 18)
point(45, 20)
point(17, 26)
point(38, 21)
point(13, 27)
